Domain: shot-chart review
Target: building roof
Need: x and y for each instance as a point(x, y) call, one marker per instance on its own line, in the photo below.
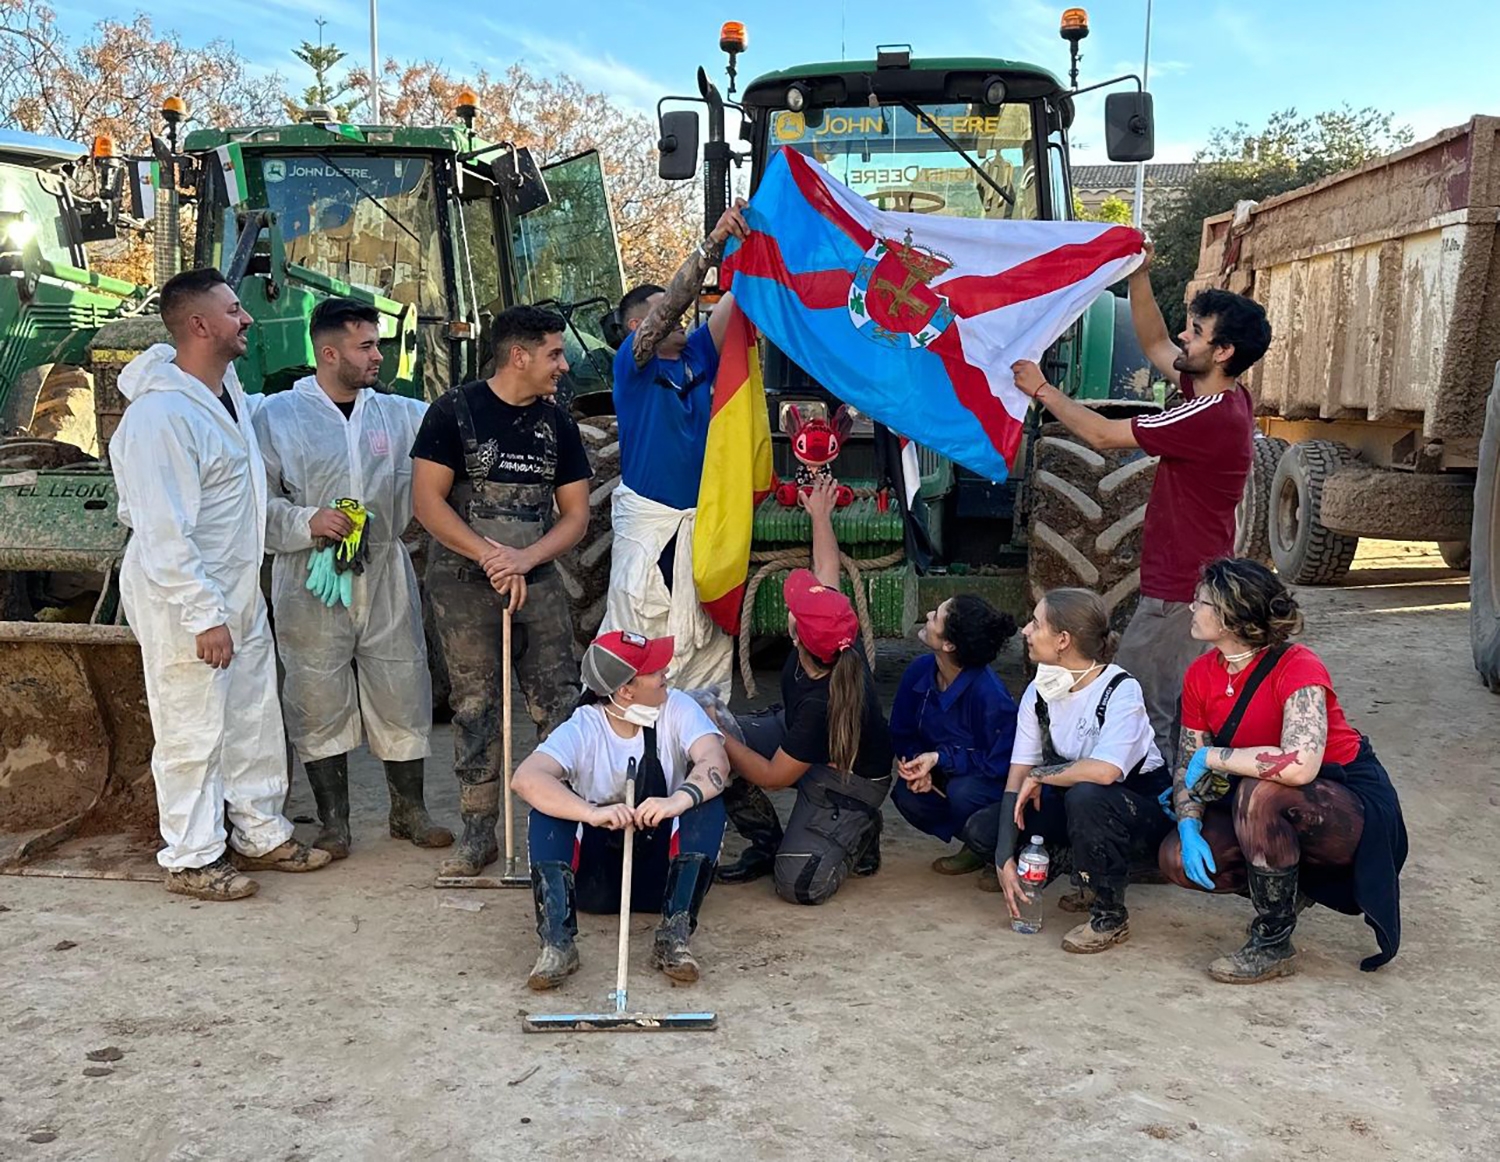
point(1111, 177)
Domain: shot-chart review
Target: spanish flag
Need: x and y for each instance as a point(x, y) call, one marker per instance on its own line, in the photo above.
point(736, 477)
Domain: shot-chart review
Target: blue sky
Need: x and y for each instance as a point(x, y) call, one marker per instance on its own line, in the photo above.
point(1212, 63)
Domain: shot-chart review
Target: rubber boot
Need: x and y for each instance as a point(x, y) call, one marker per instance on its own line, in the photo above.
point(408, 813)
point(1269, 952)
point(556, 925)
point(961, 863)
point(688, 881)
point(867, 861)
point(1108, 923)
point(330, 787)
point(479, 808)
point(754, 816)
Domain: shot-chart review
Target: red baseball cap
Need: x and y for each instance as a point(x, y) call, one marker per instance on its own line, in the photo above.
point(825, 620)
point(613, 659)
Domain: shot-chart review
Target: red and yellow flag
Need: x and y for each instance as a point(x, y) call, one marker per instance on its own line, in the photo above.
point(736, 476)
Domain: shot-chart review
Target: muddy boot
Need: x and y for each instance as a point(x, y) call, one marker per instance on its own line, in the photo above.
point(1080, 899)
point(989, 878)
point(1269, 952)
point(291, 856)
point(867, 861)
point(219, 880)
point(1108, 923)
point(330, 787)
point(754, 816)
point(556, 925)
point(479, 808)
point(688, 881)
point(960, 863)
point(408, 818)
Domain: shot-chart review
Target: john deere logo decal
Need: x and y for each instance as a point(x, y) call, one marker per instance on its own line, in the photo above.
point(890, 301)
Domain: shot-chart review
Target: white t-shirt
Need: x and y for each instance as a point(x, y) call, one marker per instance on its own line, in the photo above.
point(594, 758)
point(1125, 740)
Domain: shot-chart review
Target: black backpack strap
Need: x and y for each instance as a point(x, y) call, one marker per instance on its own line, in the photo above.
point(650, 775)
point(1050, 757)
point(473, 467)
point(1099, 713)
point(1224, 736)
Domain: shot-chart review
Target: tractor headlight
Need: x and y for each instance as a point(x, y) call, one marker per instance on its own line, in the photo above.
point(17, 229)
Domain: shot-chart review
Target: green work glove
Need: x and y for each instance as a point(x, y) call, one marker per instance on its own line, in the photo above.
point(350, 553)
point(344, 583)
point(322, 583)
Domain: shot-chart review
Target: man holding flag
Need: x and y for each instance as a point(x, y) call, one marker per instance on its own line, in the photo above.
point(664, 397)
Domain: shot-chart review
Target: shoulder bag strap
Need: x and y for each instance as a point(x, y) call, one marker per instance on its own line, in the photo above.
point(1103, 707)
point(1224, 736)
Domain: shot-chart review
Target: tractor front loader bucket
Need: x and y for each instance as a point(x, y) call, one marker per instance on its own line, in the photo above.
point(75, 737)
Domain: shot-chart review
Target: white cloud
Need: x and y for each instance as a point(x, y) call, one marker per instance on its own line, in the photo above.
point(629, 88)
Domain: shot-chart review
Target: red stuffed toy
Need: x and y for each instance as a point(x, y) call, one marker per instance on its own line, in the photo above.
point(815, 444)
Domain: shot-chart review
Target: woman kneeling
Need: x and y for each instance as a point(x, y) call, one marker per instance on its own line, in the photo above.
point(1275, 791)
point(1085, 772)
point(577, 776)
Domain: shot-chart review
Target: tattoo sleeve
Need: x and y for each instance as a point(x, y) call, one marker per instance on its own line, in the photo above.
point(683, 288)
point(1304, 733)
point(1187, 743)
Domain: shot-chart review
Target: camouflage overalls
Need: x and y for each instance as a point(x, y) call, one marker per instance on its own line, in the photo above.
point(470, 621)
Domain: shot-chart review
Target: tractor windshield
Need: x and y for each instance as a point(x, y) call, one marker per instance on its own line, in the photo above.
point(899, 162)
point(31, 212)
point(369, 221)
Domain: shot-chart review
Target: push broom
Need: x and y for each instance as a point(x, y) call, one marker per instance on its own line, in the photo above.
point(512, 877)
point(621, 1020)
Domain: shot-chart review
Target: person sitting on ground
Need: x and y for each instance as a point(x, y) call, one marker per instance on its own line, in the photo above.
point(578, 774)
point(830, 740)
point(1084, 774)
point(1276, 792)
point(952, 725)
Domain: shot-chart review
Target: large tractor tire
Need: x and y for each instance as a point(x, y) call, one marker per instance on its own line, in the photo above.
point(1484, 541)
point(1252, 518)
point(1087, 509)
point(1303, 550)
point(585, 570)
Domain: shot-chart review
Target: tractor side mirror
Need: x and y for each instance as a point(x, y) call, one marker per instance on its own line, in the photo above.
point(520, 181)
point(1129, 127)
point(677, 149)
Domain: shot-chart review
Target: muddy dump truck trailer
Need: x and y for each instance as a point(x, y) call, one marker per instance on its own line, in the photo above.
point(1379, 401)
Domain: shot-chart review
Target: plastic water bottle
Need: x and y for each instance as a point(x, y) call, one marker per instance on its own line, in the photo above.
point(1032, 868)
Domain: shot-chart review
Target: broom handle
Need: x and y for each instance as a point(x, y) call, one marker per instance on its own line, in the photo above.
point(510, 821)
point(626, 866)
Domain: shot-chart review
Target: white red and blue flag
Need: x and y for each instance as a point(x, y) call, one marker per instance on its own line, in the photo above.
point(915, 319)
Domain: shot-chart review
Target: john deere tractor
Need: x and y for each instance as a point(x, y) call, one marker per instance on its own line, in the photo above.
point(971, 137)
point(436, 227)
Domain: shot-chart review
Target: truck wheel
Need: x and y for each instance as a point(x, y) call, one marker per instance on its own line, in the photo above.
point(585, 570)
point(1484, 570)
point(1455, 554)
point(1252, 533)
point(1087, 509)
point(1304, 552)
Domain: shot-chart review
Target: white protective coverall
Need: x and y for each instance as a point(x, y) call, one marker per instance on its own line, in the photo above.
point(313, 457)
point(639, 601)
point(193, 490)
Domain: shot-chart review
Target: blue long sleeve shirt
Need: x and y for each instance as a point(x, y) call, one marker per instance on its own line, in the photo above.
point(971, 725)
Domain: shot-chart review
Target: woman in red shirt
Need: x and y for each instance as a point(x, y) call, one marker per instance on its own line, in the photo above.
point(1286, 795)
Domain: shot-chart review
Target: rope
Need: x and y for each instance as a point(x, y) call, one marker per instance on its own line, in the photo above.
point(801, 558)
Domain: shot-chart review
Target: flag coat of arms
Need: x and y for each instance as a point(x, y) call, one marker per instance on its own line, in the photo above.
point(915, 319)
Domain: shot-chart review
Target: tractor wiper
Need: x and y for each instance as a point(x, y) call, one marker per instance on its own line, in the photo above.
point(379, 205)
point(921, 115)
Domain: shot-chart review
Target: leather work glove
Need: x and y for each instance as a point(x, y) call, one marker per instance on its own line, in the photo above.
point(350, 552)
point(1197, 859)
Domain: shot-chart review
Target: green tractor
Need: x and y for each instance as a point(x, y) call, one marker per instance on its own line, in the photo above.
point(50, 302)
point(438, 229)
point(964, 137)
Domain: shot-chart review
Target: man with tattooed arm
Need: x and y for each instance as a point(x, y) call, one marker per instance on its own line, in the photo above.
point(1274, 791)
point(663, 392)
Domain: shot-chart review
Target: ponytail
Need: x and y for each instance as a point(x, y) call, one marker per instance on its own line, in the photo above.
point(846, 710)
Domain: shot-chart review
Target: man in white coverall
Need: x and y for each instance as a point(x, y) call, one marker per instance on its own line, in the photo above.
point(193, 491)
point(327, 438)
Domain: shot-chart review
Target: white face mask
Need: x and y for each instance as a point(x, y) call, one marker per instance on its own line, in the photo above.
point(1053, 682)
point(635, 713)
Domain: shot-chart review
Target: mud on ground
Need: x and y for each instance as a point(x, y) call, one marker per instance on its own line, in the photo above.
point(358, 1013)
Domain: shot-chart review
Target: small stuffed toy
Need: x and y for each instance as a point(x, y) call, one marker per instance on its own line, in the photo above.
point(815, 444)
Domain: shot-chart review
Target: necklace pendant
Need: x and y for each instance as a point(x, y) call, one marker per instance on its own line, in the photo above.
point(1229, 689)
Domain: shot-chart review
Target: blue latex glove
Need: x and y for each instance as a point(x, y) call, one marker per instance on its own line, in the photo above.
point(1197, 767)
point(1164, 801)
point(1197, 859)
point(345, 584)
point(322, 581)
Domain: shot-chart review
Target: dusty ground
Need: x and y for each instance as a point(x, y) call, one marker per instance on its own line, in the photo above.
point(356, 1014)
